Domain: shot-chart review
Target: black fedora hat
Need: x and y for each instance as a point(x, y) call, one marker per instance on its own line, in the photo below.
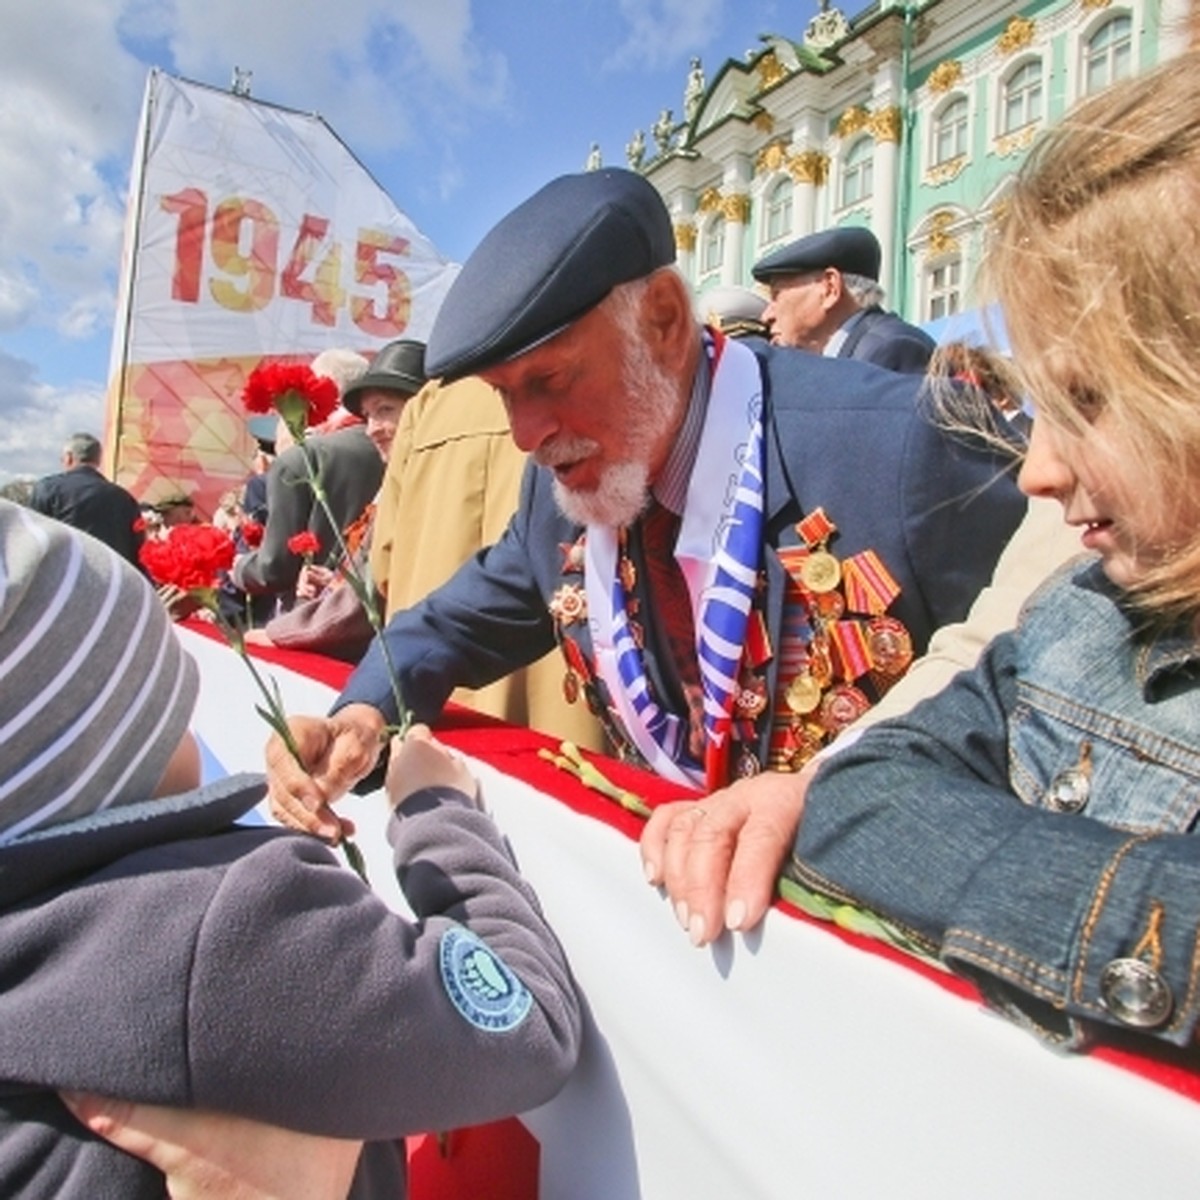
point(397, 367)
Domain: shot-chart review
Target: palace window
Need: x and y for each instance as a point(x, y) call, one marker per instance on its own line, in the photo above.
point(950, 132)
point(943, 288)
point(858, 170)
point(778, 220)
point(1022, 103)
point(712, 247)
point(1108, 54)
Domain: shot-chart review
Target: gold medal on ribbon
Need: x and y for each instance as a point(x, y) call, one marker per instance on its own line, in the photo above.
point(820, 572)
point(803, 694)
point(571, 687)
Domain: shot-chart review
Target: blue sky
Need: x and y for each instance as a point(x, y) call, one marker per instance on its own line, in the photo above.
point(460, 108)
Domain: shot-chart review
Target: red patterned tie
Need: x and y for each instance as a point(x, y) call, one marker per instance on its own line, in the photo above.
point(668, 596)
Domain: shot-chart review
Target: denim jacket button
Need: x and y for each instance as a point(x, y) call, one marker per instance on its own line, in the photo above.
point(1069, 791)
point(1135, 993)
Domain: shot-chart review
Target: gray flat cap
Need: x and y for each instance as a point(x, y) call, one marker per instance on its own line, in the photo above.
point(852, 249)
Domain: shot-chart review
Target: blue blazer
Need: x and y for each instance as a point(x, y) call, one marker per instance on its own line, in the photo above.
point(888, 341)
point(847, 436)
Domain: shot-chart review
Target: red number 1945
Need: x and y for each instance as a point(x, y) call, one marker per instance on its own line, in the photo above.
point(244, 246)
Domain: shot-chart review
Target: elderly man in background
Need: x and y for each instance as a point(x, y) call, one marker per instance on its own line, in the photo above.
point(825, 297)
point(81, 497)
point(737, 549)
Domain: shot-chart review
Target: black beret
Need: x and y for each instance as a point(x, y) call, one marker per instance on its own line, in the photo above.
point(396, 367)
point(546, 264)
point(852, 249)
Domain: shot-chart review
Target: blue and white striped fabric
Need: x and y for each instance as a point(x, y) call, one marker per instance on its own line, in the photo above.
point(724, 614)
point(725, 606)
point(668, 730)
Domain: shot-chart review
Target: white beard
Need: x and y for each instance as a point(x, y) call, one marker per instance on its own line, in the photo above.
point(652, 408)
point(623, 492)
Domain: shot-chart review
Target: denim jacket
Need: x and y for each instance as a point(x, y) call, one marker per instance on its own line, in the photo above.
point(1033, 823)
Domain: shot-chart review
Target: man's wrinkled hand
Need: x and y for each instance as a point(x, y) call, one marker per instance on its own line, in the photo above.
point(719, 858)
point(335, 753)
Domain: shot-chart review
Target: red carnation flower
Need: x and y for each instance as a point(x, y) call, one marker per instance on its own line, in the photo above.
point(252, 533)
point(300, 396)
point(191, 557)
point(305, 543)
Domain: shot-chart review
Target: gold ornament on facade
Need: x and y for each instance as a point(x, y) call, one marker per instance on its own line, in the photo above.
point(1014, 143)
point(809, 167)
point(886, 124)
point(685, 237)
point(773, 157)
point(946, 171)
point(1086, 5)
point(1016, 36)
point(770, 70)
point(944, 76)
point(941, 240)
point(710, 200)
point(736, 208)
point(763, 122)
point(852, 120)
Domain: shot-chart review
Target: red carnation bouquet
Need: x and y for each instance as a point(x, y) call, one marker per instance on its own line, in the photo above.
point(299, 395)
point(191, 560)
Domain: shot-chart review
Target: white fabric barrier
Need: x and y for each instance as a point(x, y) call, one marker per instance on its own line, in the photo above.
point(782, 1064)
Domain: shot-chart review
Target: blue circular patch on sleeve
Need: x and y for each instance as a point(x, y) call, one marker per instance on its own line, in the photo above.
point(479, 985)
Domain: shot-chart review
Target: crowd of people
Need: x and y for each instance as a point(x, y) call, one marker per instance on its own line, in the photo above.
point(757, 565)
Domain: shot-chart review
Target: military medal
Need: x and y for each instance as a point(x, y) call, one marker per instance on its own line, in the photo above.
point(747, 764)
point(829, 606)
point(842, 706)
point(820, 572)
point(627, 573)
point(568, 604)
point(570, 687)
point(803, 694)
point(573, 556)
point(889, 645)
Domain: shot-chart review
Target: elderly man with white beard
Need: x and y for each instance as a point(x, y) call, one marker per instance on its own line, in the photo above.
point(737, 547)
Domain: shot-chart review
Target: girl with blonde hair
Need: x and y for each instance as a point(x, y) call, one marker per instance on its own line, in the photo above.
point(1034, 824)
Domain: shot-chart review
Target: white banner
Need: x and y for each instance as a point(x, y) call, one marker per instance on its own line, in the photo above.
point(252, 232)
point(258, 232)
point(782, 1064)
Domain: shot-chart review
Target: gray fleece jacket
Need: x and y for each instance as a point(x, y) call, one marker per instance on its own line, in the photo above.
point(157, 952)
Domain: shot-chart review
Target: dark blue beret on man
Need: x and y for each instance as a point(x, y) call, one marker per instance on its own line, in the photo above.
point(853, 250)
point(546, 264)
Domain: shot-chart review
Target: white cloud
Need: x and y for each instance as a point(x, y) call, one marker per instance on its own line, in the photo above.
point(65, 129)
point(35, 419)
point(380, 71)
point(664, 31)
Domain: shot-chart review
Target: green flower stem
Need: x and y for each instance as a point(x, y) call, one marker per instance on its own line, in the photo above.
point(363, 591)
point(273, 712)
point(570, 760)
